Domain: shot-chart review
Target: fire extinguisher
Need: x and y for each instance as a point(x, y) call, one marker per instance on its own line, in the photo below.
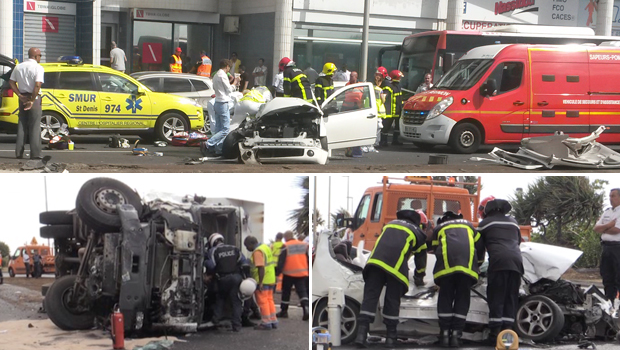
point(118, 329)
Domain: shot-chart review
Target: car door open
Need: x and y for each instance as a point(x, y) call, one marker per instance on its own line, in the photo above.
point(350, 116)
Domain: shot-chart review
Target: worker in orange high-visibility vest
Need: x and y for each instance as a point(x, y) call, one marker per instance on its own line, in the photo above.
point(276, 249)
point(176, 63)
point(293, 264)
point(204, 69)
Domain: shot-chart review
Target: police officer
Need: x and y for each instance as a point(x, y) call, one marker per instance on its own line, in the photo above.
point(609, 228)
point(295, 83)
point(501, 237)
point(387, 266)
point(225, 260)
point(324, 85)
point(456, 270)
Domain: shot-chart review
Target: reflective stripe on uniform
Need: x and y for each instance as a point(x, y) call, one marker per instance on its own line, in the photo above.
point(472, 250)
point(367, 313)
point(394, 270)
point(445, 315)
point(464, 317)
point(390, 317)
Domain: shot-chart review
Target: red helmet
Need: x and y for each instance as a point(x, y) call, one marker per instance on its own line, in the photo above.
point(396, 75)
point(284, 63)
point(483, 204)
point(423, 218)
point(382, 71)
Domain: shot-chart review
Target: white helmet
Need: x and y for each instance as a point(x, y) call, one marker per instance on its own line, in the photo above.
point(247, 288)
point(214, 238)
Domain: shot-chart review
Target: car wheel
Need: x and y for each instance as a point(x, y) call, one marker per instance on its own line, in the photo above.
point(61, 310)
point(55, 217)
point(206, 129)
point(57, 231)
point(11, 272)
point(97, 200)
point(169, 124)
point(50, 124)
point(424, 146)
point(539, 319)
point(230, 147)
point(348, 325)
point(465, 138)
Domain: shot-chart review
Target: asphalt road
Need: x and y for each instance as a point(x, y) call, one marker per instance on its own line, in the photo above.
point(292, 334)
point(91, 154)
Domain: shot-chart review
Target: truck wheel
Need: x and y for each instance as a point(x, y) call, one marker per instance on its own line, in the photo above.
point(465, 138)
point(57, 231)
point(55, 217)
point(96, 203)
point(60, 310)
point(11, 272)
point(539, 319)
point(348, 325)
point(169, 124)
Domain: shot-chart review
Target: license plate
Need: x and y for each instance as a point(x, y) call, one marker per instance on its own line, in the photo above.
point(411, 129)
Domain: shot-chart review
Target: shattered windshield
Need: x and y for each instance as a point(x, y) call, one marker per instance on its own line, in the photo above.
point(464, 74)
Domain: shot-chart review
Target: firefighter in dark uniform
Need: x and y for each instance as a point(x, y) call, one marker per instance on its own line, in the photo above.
point(295, 83)
point(387, 266)
point(501, 236)
point(393, 106)
point(226, 262)
point(324, 85)
point(456, 270)
point(396, 105)
point(609, 228)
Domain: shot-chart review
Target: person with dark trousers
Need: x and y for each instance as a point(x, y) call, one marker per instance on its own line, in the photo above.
point(295, 83)
point(455, 241)
point(387, 266)
point(396, 105)
point(38, 271)
point(501, 236)
point(26, 80)
point(609, 228)
point(390, 106)
point(324, 85)
point(293, 263)
point(226, 262)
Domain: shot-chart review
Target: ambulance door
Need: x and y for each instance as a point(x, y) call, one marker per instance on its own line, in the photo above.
point(504, 112)
point(77, 99)
point(560, 99)
point(122, 105)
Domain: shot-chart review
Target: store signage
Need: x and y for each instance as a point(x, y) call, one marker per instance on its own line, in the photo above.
point(176, 16)
point(50, 24)
point(59, 8)
point(151, 52)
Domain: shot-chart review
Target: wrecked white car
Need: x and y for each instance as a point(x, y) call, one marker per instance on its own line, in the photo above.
point(144, 257)
point(558, 150)
point(291, 130)
point(549, 306)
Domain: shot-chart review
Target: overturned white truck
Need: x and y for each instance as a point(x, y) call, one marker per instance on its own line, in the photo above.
point(144, 257)
point(549, 306)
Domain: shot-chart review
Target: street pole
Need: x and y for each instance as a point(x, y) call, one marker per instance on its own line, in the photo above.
point(329, 204)
point(348, 177)
point(364, 67)
point(604, 17)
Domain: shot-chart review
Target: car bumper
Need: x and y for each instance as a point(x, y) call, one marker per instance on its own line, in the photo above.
point(197, 121)
point(257, 150)
point(436, 131)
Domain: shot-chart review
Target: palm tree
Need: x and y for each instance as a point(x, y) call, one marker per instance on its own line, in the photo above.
point(342, 211)
point(318, 220)
point(299, 217)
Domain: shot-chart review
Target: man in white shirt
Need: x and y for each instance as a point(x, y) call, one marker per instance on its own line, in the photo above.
point(609, 228)
point(223, 90)
point(427, 84)
point(26, 258)
point(278, 84)
point(260, 74)
point(26, 81)
point(117, 58)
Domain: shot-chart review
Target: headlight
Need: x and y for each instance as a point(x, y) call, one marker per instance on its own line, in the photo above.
point(190, 101)
point(439, 108)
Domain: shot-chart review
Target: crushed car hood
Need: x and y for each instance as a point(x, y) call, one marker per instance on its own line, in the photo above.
point(286, 107)
point(546, 261)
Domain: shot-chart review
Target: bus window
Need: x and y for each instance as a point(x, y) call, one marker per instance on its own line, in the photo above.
point(362, 211)
point(416, 60)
